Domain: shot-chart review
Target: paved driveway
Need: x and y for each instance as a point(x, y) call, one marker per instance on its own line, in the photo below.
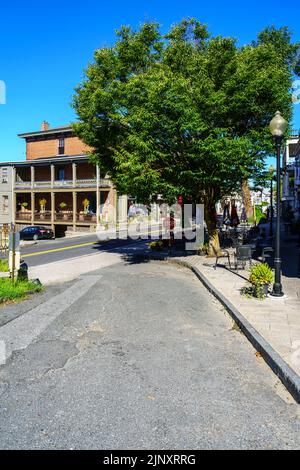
point(144, 358)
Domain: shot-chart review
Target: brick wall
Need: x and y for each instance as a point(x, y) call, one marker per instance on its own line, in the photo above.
point(49, 148)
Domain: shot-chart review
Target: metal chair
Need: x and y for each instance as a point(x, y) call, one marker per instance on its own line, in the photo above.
point(267, 253)
point(242, 255)
point(222, 254)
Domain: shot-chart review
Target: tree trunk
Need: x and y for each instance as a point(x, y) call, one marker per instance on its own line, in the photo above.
point(211, 222)
point(247, 198)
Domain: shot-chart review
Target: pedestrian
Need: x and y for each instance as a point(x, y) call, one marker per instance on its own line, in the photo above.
point(234, 219)
point(226, 215)
point(244, 217)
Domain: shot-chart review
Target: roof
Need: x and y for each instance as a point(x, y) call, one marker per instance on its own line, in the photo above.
point(43, 161)
point(50, 131)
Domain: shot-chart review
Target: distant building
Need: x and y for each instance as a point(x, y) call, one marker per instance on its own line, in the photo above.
point(56, 185)
point(6, 191)
point(291, 180)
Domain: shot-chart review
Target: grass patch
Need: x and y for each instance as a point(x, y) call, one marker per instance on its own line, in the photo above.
point(12, 292)
point(4, 268)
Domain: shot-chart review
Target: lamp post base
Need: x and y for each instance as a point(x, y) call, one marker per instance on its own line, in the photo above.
point(277, 291)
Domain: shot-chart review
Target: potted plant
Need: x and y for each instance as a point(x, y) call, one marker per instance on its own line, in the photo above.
point(63, 207)
point(261, 276)
point(24, 206)
point(86, 204)
point(42, 203)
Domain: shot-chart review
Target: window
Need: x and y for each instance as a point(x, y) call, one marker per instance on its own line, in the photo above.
point(4, 175)
point(61, 147)
point(61, 174)
point(5, 205)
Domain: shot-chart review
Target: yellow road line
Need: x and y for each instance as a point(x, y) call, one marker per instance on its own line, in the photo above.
point(71, 247)
point(55, 250)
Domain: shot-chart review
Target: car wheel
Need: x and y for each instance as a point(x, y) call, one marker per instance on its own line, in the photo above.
point(35, 237)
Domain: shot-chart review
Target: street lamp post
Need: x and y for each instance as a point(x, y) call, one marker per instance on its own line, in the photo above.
point(278, 126)
point(271, 171)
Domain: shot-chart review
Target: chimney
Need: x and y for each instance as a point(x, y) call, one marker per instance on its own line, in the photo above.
point(45, 126)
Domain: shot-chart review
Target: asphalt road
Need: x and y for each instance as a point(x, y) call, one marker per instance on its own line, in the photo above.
point(138, 356)
point(49, 251)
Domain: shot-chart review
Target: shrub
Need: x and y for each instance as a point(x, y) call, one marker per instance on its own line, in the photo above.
point(158, 245)
point(4, 268)
point(261, 274)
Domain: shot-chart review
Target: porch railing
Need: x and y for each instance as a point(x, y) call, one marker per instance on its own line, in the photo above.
point(79, 183)
point(58, 217)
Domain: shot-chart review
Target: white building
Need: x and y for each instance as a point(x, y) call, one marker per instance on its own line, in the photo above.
point(291, 179)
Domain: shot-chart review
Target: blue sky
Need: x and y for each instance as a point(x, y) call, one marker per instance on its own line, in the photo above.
point(44, 47)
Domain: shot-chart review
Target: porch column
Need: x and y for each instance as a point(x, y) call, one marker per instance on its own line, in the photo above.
point(13, 177)
point(52, 209)
point(32, 206)
point(74, 210)
point(52, 175)
point(98, 196)
point(32, 176)
point(74, 172)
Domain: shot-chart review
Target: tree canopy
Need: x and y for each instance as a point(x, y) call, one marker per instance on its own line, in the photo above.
point(184, 113)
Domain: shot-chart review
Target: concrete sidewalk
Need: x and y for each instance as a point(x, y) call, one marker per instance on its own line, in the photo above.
point(276, 320)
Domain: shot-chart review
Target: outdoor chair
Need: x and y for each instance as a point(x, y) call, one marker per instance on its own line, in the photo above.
point(222, 254)
point(242, 255)
point(267, 253)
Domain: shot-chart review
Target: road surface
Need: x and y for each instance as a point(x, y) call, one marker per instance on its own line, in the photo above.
point(138, 356)
point(50, 251)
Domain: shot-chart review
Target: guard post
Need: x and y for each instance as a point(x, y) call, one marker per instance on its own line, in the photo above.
point(14, 253)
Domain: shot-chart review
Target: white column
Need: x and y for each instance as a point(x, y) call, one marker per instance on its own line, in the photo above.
point(32, 176)
point(74, 210)
point(98, 195)
point(52, 175)
point(74, 172)
point(287, 153)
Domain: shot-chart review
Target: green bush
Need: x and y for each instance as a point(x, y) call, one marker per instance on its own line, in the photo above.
point(4, 268)
point(14, 291)
point(158, 245)
point(255, 292)
point(261, 274)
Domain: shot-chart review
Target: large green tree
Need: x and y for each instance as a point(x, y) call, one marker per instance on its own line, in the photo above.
point(184, 113)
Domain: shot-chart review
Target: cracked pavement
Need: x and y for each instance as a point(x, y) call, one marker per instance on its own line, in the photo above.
point(145, 358)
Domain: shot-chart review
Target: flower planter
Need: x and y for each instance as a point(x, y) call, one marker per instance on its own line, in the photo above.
point(265, 289)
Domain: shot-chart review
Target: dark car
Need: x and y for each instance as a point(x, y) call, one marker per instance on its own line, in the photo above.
point(36, 233)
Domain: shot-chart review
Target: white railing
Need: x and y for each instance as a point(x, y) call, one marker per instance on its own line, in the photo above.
point(62, 183)
point(41, 184)
point(86, 183)
point(23, 184)
point(79, 183)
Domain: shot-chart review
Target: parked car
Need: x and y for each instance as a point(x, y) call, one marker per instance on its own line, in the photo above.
point(36, 233)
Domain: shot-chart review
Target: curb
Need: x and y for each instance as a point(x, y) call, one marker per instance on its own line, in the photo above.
point(283, 371)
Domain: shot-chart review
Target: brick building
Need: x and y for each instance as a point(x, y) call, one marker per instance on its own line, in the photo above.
point(57, 185)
